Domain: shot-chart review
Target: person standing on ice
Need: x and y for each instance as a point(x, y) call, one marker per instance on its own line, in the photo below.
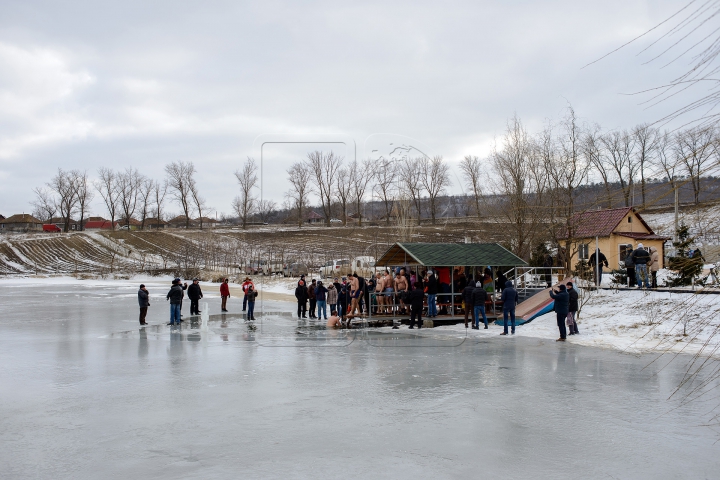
point(562, 303)
point(224, 294)
point(321, 300)
point(479, 297)
point(432, 291)
point(509, 299)
point(175, 295)
point(301, 294)
point(332, 297)
point(251, 296)
point(416, 305)
point(641, 258)
point(572, 310)
point(194, 294)
point(601, 260)
point(466, 295)
point(247, 283)
point(144, 301)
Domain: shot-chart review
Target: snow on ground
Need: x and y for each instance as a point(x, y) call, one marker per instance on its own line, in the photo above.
point(634, 321)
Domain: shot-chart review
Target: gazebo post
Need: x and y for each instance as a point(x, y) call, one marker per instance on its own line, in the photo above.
point(452, 291)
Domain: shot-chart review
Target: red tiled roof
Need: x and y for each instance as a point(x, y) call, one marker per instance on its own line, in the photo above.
point(601, 223)
point(104, 224)
point(313, 215)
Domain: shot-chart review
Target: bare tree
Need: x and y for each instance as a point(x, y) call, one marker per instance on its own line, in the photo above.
point(159, 190)
point(619, 147)
point(345, 179)
point(145, 197)
point(299, 177)
point(45, 204)
point(385, 186)
point(361, 178)
point(85, 196)
point(108, 190)
point(409, 176)
point(247, 179)
point(695, 148)
point(512, 168)
point(324, 168)
point(180, 180)
point(435, 179)
point(64, 185)
point(265, 209)
point(128, 188)
point(646, 139)
point(472, 174)
point(198, 201)
point(594, 151)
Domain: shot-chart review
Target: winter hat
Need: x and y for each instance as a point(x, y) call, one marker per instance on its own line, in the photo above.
point(177, 280)
point(569, 284)
point(478, 284)
point(562, 288)
point(640, 245)
point(429, 272)
point(142, 285)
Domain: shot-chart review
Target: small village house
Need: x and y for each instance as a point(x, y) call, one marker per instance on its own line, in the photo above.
point(314, 218)
point(181, 222)
point(153, 223)
point(91, 225)
point(617, 230)
point(21, 222)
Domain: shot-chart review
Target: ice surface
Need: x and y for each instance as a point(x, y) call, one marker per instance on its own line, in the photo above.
point(86, 393)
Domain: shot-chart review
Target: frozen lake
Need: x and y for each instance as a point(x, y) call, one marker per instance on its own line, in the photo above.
point(86, 393)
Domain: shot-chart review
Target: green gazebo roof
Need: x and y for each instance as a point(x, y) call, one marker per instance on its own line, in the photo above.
point(450, 255)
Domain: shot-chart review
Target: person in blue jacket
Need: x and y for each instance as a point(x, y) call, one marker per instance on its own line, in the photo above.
point(509, 300)
point(562, 307)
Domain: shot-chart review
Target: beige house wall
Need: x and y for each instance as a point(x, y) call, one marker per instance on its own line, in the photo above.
point(610, 246)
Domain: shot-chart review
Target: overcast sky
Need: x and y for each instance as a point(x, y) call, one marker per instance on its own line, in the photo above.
point(85, 84)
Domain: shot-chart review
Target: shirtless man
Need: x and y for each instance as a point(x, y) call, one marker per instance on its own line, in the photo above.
point(401, 285)
point(354, 295)
point(334, 321)
point(379, 288)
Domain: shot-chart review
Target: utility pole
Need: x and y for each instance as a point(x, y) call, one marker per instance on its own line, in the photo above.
point(677, 208)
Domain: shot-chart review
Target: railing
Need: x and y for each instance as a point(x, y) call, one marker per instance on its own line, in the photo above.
point(527, 279)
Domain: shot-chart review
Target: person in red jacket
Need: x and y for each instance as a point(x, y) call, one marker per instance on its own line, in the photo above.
point(224, 294)
point(247, 283)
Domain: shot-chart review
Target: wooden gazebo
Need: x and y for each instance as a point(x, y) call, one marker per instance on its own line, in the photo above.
point(475, 256)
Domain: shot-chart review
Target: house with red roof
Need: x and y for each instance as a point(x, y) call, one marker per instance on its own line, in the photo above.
point(91, 225)
point(617, 230)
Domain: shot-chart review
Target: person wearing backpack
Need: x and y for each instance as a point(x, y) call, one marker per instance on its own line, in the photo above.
point(641, 258)
point(630, 267)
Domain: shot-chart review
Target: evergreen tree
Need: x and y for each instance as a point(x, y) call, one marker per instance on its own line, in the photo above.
point(686, 267)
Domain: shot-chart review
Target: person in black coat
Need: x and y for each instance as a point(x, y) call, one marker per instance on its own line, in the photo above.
point(479, 297)
point(509, 299)
point(301, 294)
point(562, 304)
point(598, 259)
point(573, 307)
point(467, 293)
point(194, 293)
point(417, 296)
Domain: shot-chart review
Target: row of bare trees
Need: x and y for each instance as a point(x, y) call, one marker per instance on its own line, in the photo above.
point(532, 181)
point(334, 182)
point(126, 194)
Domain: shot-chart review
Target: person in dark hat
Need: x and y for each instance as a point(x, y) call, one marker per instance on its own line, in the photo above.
point(175, 295)
point(562, 305)
point(195, 294)
point(573, 307)
point(144, 301)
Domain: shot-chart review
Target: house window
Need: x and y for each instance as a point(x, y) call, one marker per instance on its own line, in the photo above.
point(583, 250)
point(629, 219)
point(623, 250)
